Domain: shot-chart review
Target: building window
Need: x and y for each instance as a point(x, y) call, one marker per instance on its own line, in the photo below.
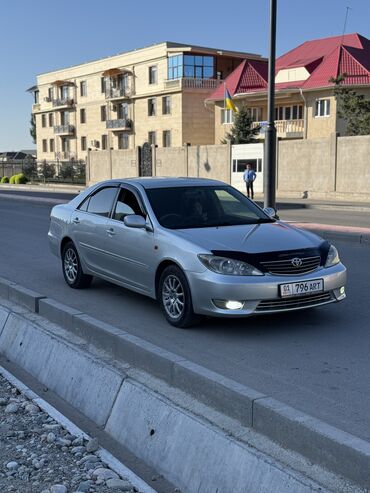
point(122, 111)
point(103, 83)
point(44, 145)
point(123, 141)
point(64, 117)
point(152, 107)
point(51, 145)
point(322, 107)
point(294, 112)
point(82, 115)
point(104, 142)
point(36, 96)
point(65, 144)
point(166, 138)
point(152, 138)
point(64, 92)
point(194, 66)
point(83, 88)
point(103, 113)
point(43, 120)
point(50, 93)
point(166, 105)
point(227, 116)
point(83, 144)
point(153, 74)
point(51, 119)
point(255, 114)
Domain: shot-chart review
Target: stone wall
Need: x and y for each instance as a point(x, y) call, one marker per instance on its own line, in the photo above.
point(203, 161)
point(332, 168)
point(337, 167)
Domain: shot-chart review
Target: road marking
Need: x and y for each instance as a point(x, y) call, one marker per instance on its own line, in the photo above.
point(331, 227)
point(28, 198)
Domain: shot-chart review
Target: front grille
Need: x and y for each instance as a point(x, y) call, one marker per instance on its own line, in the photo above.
point(296, 302)
point(286, 268)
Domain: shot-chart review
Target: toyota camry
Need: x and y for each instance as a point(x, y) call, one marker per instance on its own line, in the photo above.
point(198, 246)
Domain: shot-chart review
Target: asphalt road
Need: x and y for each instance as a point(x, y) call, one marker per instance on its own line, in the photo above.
point(317, 360)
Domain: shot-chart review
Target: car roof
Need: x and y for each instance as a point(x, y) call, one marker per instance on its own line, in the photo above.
point(168, 182)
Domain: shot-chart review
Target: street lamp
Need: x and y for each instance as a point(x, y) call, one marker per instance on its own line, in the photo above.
point(270, 142)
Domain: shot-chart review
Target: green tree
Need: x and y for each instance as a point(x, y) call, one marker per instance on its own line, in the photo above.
point(33, 128)
point(353, 108)
point(242, 132)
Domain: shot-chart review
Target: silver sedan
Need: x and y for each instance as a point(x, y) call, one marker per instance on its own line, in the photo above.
point(199, 247)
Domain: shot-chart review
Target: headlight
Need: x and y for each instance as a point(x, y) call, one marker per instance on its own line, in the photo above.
point(333, 257)
point(228, 266)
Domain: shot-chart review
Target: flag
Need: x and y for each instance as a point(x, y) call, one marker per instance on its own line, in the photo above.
point(229, 102)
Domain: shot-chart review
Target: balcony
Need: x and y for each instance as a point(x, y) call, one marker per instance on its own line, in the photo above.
point(118, 92)
point(288, 129)
point(36, 107)
point(64, 129)
point(119, 124)
point(60, 102)
point(192, 83)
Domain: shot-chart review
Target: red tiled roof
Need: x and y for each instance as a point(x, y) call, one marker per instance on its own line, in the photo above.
point(309, 51)
point(250, 75)
point(322, 58)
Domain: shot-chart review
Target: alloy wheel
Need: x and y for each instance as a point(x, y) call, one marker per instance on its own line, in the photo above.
point(173, 296)
point(71, 265)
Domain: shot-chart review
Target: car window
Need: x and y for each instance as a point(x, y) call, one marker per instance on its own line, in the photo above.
point(203, 206)
point(101, 202)
point(232, 206)
point(126, 204)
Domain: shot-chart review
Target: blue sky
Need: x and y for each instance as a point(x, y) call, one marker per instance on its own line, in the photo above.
point(43, 35)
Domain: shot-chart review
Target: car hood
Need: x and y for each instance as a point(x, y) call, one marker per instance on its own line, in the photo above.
point(254, 238)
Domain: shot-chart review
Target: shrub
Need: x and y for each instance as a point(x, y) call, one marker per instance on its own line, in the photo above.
point(4, 179)
point(12, 179)
point(67, 170)
point(30, 169)
point(20, 179)
point(46, 170)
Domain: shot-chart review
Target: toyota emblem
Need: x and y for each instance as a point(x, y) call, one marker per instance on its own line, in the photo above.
point(296, 262)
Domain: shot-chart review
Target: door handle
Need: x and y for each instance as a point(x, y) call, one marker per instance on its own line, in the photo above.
point(110, 231)
point(76, 220)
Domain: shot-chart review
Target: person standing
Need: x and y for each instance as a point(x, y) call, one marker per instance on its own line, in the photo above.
point(249, 176)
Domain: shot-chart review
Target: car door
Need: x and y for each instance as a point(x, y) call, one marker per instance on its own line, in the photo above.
point(131, 251)
point(89, 227)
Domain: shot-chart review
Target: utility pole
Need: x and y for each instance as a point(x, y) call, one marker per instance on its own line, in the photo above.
point(270, 142)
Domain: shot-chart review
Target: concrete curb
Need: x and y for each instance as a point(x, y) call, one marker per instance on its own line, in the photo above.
point(191, 448)
point(327, 446)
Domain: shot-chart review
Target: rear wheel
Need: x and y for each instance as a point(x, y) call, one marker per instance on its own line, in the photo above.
point(175, 298)
point(72, 270)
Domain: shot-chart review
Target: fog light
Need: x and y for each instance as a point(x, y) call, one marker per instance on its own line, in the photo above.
point(229, 304)
point(342, 290)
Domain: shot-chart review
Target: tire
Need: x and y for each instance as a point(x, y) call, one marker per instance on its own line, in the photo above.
point(175, 298)
point(72, 270)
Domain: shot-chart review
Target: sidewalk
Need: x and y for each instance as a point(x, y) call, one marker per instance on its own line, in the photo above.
point(289, 203)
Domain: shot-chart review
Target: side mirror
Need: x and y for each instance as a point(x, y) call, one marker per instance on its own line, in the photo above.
point(271, 212)
point(135, 221)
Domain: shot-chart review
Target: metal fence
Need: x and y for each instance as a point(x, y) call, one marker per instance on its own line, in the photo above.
point(73, 171)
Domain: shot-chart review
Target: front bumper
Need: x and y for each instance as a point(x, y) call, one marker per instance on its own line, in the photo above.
point(260, 294)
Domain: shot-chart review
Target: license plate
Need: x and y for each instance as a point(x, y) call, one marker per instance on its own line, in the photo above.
point(301, 288)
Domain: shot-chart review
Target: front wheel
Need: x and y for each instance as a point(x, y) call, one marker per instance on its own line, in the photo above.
point(72, 270)
point(175, 298)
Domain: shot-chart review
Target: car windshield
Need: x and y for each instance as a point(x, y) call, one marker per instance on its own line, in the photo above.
point(203, 207)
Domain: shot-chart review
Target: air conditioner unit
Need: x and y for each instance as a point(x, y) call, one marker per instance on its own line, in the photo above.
point(95, 143)
point(47, 99)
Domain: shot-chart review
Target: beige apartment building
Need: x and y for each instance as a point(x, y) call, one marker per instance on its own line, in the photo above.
point(154, 94)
